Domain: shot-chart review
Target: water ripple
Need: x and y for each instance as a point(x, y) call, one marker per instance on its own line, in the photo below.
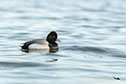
point(92, 47)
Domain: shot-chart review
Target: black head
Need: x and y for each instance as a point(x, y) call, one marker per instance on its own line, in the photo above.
point(52, 36)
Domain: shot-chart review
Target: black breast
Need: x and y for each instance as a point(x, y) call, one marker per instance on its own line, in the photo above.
point(53, 45)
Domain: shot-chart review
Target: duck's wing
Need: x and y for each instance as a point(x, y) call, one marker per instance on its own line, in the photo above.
point(26, 44)
point(36, 41)
point(40, 41)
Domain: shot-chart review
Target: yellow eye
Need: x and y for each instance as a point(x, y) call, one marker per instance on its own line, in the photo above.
point(54, 36)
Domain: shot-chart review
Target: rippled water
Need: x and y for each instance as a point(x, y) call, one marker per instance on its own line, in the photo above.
point(92, 51)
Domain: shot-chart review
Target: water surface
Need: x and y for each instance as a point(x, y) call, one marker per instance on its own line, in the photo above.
point(93, 35)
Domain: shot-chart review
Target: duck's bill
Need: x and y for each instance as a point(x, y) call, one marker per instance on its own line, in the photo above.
point(58, 40)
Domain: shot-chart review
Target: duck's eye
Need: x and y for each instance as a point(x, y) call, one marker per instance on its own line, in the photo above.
point(54, 36)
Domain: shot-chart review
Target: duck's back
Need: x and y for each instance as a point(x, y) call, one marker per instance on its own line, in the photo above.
point(36, 44)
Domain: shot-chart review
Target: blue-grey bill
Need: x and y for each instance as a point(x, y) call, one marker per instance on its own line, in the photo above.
point(58, 40)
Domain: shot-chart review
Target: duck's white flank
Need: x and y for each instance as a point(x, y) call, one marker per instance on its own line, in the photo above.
point(38, 46)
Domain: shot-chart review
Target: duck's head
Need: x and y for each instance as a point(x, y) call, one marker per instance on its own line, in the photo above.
point(52, 37)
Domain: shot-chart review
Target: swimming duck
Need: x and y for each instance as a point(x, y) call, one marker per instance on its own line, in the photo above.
point(49, 43)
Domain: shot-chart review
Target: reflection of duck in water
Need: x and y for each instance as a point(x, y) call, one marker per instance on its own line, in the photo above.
point(41, 44)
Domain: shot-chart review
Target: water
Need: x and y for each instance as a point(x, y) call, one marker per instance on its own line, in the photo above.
point(93, 35)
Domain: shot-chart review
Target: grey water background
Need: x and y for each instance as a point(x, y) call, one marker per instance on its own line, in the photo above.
point(93, 47)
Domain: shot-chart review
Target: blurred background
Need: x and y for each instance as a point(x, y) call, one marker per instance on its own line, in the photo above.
point(92, 47)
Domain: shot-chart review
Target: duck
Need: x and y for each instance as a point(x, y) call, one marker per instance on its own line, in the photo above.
point(48, 43)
